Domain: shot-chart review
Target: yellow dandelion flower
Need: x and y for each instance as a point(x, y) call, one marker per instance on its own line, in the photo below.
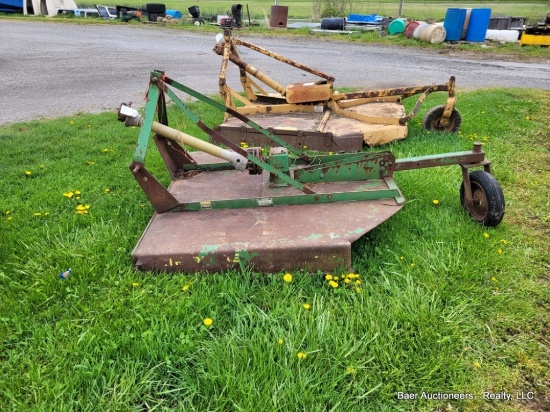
point(486, 235)
point(207, 322)
point(413, 265)
point(37, 214)
point(68, 194)
point(86, 207)
point(186, 288)
point(105, 150)
point(42, 166)
point(7, 212)
point(503, 241)
point(135, 284)
point(358, 290)
point(80, 207)
point(336, 278)
point(107, 190)
point(307, 306)
point(71, 122)
point(9, 218)
point(347, 280)
point(77, 192)
point(500, 251)
point(357, 282)
point(328, 276)
point(497, 289)
point(90, 162)
point(333, 284)
point(350, 370)
point(280, 342)
point(287, 277)
point(494, 279)
point(402, 258)
point(477, 365)
point(301, 355)
point(28, 173)
point(435, 202)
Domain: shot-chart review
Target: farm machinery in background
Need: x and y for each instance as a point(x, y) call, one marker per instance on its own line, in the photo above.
point(313, 114)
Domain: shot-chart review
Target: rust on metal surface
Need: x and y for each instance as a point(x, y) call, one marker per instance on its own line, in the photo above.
point(308, 92)
point(268, 239)
point(377, 115)
point(299, 130)
point(161, 199)
point(284, 59)
point(173, 154)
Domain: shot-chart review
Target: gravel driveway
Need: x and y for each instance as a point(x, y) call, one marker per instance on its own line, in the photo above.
point(56, 69)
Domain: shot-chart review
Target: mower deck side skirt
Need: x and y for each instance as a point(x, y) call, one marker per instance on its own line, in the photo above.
point(309, 237)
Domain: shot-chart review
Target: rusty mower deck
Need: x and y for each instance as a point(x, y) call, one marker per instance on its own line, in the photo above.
point(313, 115)
point(291, 210)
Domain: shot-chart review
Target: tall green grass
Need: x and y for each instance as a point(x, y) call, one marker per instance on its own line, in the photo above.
point(443, 305)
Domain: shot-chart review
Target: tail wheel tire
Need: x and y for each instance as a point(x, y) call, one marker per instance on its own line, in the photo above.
point(432, 120)
point(488, 205)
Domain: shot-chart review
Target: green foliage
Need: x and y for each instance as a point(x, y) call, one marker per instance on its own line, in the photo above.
point(443, 304)
point(331, 8)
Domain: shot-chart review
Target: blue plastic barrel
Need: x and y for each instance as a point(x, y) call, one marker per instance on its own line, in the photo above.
point(454, 22)
point(479, 23)
point(176, 14)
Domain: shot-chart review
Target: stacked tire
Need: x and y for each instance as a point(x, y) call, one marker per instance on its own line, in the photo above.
point(155, 10)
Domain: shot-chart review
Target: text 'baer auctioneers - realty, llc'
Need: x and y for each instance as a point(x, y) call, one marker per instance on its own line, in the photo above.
point(490, 396)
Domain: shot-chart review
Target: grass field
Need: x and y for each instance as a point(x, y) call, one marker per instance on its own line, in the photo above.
point(534, 10)
point(302, 9)
point(443, 305)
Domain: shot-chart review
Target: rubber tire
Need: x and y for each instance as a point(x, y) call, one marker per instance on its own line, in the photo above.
point(433, 116)
point(487, 191)
point(156, 8)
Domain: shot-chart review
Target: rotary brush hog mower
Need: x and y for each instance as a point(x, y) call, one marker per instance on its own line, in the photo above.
point(315, 116)
point(272, 209)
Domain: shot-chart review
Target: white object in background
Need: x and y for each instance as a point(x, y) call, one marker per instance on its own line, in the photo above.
point(507, 36)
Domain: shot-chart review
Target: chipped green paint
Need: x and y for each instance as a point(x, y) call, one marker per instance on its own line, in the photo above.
point(357, 231)
point(333, 235)
point(244, 256)
point(208, 249)
point(314, 236)
point(207, 252)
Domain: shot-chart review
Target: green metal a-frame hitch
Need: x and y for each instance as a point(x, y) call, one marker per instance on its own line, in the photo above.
point(318, 187)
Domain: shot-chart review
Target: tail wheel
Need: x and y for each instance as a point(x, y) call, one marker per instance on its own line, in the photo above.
point(432, 120)
point(487, 206)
